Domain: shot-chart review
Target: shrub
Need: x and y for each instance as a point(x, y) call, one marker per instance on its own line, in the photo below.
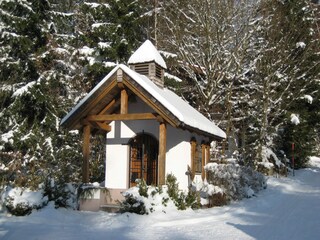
point(143, 188)
point(217, 199)
point(134, 200)
point(133, 205)
point(210, 194)
point(236, 181)
point(181, 199)
point(62, 194)
point(144, 199)
point(21, 202)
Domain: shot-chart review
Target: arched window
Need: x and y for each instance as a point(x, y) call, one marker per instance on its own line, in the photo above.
point(143, 159)
point(199, 157)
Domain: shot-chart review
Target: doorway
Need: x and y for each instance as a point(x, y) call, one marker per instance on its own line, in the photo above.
point(143, 159)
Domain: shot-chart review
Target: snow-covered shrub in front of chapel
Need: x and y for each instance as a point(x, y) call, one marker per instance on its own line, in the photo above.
point(21, 201)
point(237, 182)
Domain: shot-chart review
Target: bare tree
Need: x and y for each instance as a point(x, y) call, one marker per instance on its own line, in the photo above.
point(212, 40)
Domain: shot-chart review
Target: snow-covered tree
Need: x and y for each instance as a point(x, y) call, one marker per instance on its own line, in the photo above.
point(213, 43)
point(245, 63)
point(288, 66)
point(34, 89)
point(52, 53)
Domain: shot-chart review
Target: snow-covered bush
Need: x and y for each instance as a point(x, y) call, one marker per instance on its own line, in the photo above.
point(62, 194)
point(20, 202)
point(210, 194)
point(144, 199)
point(236, 181)
point(270, 163)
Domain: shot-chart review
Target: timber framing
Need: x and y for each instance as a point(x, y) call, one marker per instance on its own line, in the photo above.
point(86, 153)
point(106, 108)
point(162, 153)
point(74, 121)
point(104, 126)
point(121, 117)
point(152, 102)
point(119, 87)
point(207, 149)
point(203, 163)
point(124, 102)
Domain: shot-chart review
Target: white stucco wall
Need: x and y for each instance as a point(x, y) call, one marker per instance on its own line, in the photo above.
point(116, 166)
point(178, 155)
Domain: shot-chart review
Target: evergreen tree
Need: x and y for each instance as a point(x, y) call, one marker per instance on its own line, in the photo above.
point(53, 53)
point(34, 90)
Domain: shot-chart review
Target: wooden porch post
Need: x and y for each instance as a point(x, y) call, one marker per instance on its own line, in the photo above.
point(204, 160)
point(86, 153)
point(162, 153)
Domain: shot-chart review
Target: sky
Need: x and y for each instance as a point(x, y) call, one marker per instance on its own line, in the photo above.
point(288, 209)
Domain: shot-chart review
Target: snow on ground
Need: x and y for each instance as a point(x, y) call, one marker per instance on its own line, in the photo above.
point(288, 209)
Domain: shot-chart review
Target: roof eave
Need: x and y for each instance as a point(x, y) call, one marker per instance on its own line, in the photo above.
point(211, 136)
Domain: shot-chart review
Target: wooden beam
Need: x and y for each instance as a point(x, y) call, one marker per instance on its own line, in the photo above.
point(150, 102)
point(162, 153)
point(122, 117)
point(120, 85)
point(207, 157)
point(85, 122)
point(160, 119)
point(106, 108)
point(104, 126)
point(203, 163)
point(86, 153)
point(74, 121)
point(124, 102)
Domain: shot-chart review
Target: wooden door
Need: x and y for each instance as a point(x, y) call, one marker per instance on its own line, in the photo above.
point(143, 159)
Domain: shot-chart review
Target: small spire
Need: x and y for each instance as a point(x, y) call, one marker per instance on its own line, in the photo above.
point(147, 52)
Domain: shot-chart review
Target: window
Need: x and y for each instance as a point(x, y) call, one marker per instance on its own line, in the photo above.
point(198, 159)
point(200, 154)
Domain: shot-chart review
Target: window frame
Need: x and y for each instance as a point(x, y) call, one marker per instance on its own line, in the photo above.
point(200, 155)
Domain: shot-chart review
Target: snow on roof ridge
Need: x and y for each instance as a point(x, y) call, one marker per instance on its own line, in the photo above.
point(147, 52)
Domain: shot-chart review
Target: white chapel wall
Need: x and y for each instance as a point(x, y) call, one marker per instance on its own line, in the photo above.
point(178, 155)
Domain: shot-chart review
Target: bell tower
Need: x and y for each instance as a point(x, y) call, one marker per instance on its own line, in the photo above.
point(146, 60)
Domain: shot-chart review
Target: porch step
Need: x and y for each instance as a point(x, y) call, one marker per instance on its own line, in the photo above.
point(111, 208)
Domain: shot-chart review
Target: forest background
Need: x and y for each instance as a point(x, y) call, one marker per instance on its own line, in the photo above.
point(250, 66)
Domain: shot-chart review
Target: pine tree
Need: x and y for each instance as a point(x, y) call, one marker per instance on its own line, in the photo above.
point(53, 53)
point(34, 89)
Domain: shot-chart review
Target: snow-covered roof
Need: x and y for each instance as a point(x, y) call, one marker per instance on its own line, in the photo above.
point(185, 113)
point(175, 104)
point(147, 52)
